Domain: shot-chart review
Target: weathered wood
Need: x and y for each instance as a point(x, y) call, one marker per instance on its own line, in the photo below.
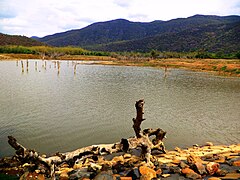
point(142, 140)
point(139, 118)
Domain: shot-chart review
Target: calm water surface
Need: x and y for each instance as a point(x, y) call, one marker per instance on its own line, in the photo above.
point(54, 111)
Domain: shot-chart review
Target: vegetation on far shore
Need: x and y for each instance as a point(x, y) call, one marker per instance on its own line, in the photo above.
point(220, 63)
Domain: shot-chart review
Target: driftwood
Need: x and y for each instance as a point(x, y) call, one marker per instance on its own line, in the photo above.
point(142, 141)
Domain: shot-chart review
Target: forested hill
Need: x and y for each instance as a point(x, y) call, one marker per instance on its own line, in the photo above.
point(199, 32)
point(18, 40)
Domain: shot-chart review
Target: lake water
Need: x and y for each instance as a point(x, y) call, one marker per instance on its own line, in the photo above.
point(50, 110)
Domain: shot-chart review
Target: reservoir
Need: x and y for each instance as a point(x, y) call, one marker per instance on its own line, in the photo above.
point(59, 106)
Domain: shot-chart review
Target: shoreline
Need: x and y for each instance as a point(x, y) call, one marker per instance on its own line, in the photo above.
point(219, 67)
point(212, 162)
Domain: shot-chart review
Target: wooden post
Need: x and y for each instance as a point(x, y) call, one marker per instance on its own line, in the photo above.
point(75, 67)
point(35, 65)
point(22, 66)
point(27, 66)
point(58, 66)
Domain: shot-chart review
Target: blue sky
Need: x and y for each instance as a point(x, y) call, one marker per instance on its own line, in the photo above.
point(45, 17)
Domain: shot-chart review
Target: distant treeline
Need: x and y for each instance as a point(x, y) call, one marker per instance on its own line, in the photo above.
point(50, 51)
point(54, 52)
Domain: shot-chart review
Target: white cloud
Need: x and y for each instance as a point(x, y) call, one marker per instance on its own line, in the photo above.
point(44, 17)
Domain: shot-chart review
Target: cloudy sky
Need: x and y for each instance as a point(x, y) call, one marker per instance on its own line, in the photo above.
point(44, 17)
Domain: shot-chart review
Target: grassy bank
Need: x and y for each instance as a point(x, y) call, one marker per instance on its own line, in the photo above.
point(225, 67)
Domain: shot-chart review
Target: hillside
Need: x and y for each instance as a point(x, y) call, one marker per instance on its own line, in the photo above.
point(211, 33)
point(18, 40)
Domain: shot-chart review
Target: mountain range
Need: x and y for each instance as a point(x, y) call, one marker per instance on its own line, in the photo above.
point(17, 40)
point(195, 33)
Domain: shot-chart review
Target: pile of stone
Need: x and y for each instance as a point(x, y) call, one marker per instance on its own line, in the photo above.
point(211, 162)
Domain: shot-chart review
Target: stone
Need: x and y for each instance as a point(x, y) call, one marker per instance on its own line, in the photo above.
point(176, 161)
point(95, 167)
point(32, 176)
point(214, 178)
point(189, 173)
point(178, 149)
point(126, 156)
point(212, 167)
point(209, 144)
point(200, 168)
point(166, 175)
point(134, 173)
point(125, 178)
point(236, 163)
point(183, 165)
point(159, 172)
point(63, 176)
point(231, 176)
point(144, 170)
point(175, 170)
point(79, 174)
point(104, 175)
point(221, 173)
point(220, 160)
point(118, 159)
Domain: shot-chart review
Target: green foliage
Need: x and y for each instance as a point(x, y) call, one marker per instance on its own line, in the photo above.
point(238, 55)
point(224, 68)
point(50, 51)
point(16, 50)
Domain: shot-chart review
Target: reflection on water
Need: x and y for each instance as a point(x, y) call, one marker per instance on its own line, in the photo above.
point(61, 106)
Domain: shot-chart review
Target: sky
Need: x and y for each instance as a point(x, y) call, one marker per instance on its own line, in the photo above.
point(45, 17)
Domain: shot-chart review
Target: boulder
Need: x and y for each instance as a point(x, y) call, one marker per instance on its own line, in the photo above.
point(189, 173)
point(236, 163)
point(150, 173)
point(212, 167)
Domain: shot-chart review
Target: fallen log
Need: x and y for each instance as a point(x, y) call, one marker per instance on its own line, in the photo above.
point(142, 141)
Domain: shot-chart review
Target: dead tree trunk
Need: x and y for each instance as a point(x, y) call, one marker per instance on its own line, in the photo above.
point(141, 140)
point(139, 118)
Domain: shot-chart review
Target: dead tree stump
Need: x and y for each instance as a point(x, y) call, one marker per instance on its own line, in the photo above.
point(141, 140)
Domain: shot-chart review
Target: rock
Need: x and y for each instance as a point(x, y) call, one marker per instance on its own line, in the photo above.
point(125, 178)
point(175, 170)
point(95, 167)
point(196, 164)
point(134, 173)
point(159, 172)
point(118, 167)
point(212, 167)
point(104, 175)
point(231, 176)
point(117, 159)
point(214, 178)
point(32, 176)
point(144, 177)
point(176, 161)
point(189, 173)
point(220, 160)
point(150, 173)
point(166, 175)
point(183, 165)
point(63, 176)
point(79, 174)
point(209, 144)
point(221, 173)
point(126, 156)
point(200, 168)
point(178, 149)
point(236, 163)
